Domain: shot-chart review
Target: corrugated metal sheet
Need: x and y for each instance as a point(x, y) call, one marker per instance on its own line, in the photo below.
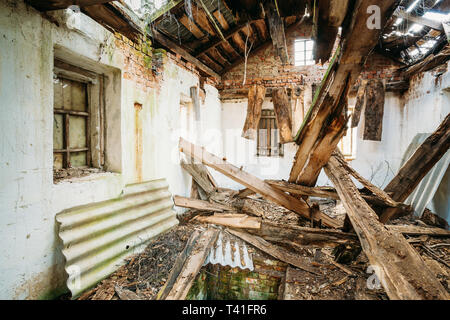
point(98, 237)
point(230, 251)
point(427, 188)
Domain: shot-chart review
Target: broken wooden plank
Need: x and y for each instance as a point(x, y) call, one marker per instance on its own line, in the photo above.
point(241, 221)
point(417, 167)
point(256, 95)
point(283, 114)
point(408, 230)
point(360, 103)
point(178, 265)
point(192, 265)
point(326, 192)
point(298, 237)
point(275, 251)
point(257, 185)
point(314, 138)
point(200, 174)
point(380, 194)
point(374, 111)
point(245, 193)
point(398, 266)
point(200, 204)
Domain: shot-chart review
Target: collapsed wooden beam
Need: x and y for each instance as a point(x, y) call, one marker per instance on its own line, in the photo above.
point(256, 95)
point(330, 193)
point(381, 195)
point(398, 266)
point(257, 185)
point(374, 111)
point(276, 28)
point(275, 251)
point(283, 114)
point(417, 167)
point(200, 204)
point(232, 220)
point(200, 174)
point(188, 266)
point(316, 142)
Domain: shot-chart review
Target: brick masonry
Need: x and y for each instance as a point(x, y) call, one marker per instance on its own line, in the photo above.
point(216, 282)
point(265, 68)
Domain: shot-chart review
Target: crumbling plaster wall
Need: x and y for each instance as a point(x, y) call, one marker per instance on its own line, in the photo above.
point(31, 263)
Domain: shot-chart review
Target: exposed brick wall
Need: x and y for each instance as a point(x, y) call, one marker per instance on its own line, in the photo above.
point(266, 68)
point(143, 64)
point(137, 61)
point(217, 282)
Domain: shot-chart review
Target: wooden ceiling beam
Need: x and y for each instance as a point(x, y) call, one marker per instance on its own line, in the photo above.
point(169, 44)
point(229, 35)
point(262, 47)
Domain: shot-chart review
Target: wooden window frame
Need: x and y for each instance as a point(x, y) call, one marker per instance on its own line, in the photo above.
point(268, 120)
point(66, 129)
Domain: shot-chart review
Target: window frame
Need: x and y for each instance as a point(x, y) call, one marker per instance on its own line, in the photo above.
point(303, 61)
point(269, 119)
point(66, 151)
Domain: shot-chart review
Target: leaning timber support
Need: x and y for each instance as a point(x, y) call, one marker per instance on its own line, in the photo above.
point(417, 167)
point(374, 111)
point(400, 269)
point(187, 267)
point(255, 184)
point(316, 142)
point(256, 96)
point(283, 114)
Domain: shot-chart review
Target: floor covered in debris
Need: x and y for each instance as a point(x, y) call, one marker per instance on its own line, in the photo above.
point(338, 272)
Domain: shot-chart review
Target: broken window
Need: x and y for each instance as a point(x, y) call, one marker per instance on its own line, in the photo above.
point(77, 122)
point(71, 147)
point(304, 52)
point(268, 142)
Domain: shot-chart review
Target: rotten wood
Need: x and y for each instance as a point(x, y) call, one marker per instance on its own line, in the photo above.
point(190, 265)
point(360, 103)
point(200, 174)
point(283, 113)
point(257, 185)
point(417, 167)
point(241, 221)
point(398, 266)
point(276, 29)
point(275, 251)
point(316, 142)
point(374, 111)
point(256, 95)
point(200, 204)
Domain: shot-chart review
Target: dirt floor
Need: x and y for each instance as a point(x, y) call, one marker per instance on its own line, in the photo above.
point(351, 278)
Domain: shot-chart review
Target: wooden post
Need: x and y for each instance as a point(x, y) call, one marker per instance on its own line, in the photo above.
point(398, 266)
point(256, 96)
point(373, 115)
point(282, 108)
point(276, 28)
point(417, 167)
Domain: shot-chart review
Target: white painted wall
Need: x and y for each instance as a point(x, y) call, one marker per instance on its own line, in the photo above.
point(31, 265)
point(420, 110)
